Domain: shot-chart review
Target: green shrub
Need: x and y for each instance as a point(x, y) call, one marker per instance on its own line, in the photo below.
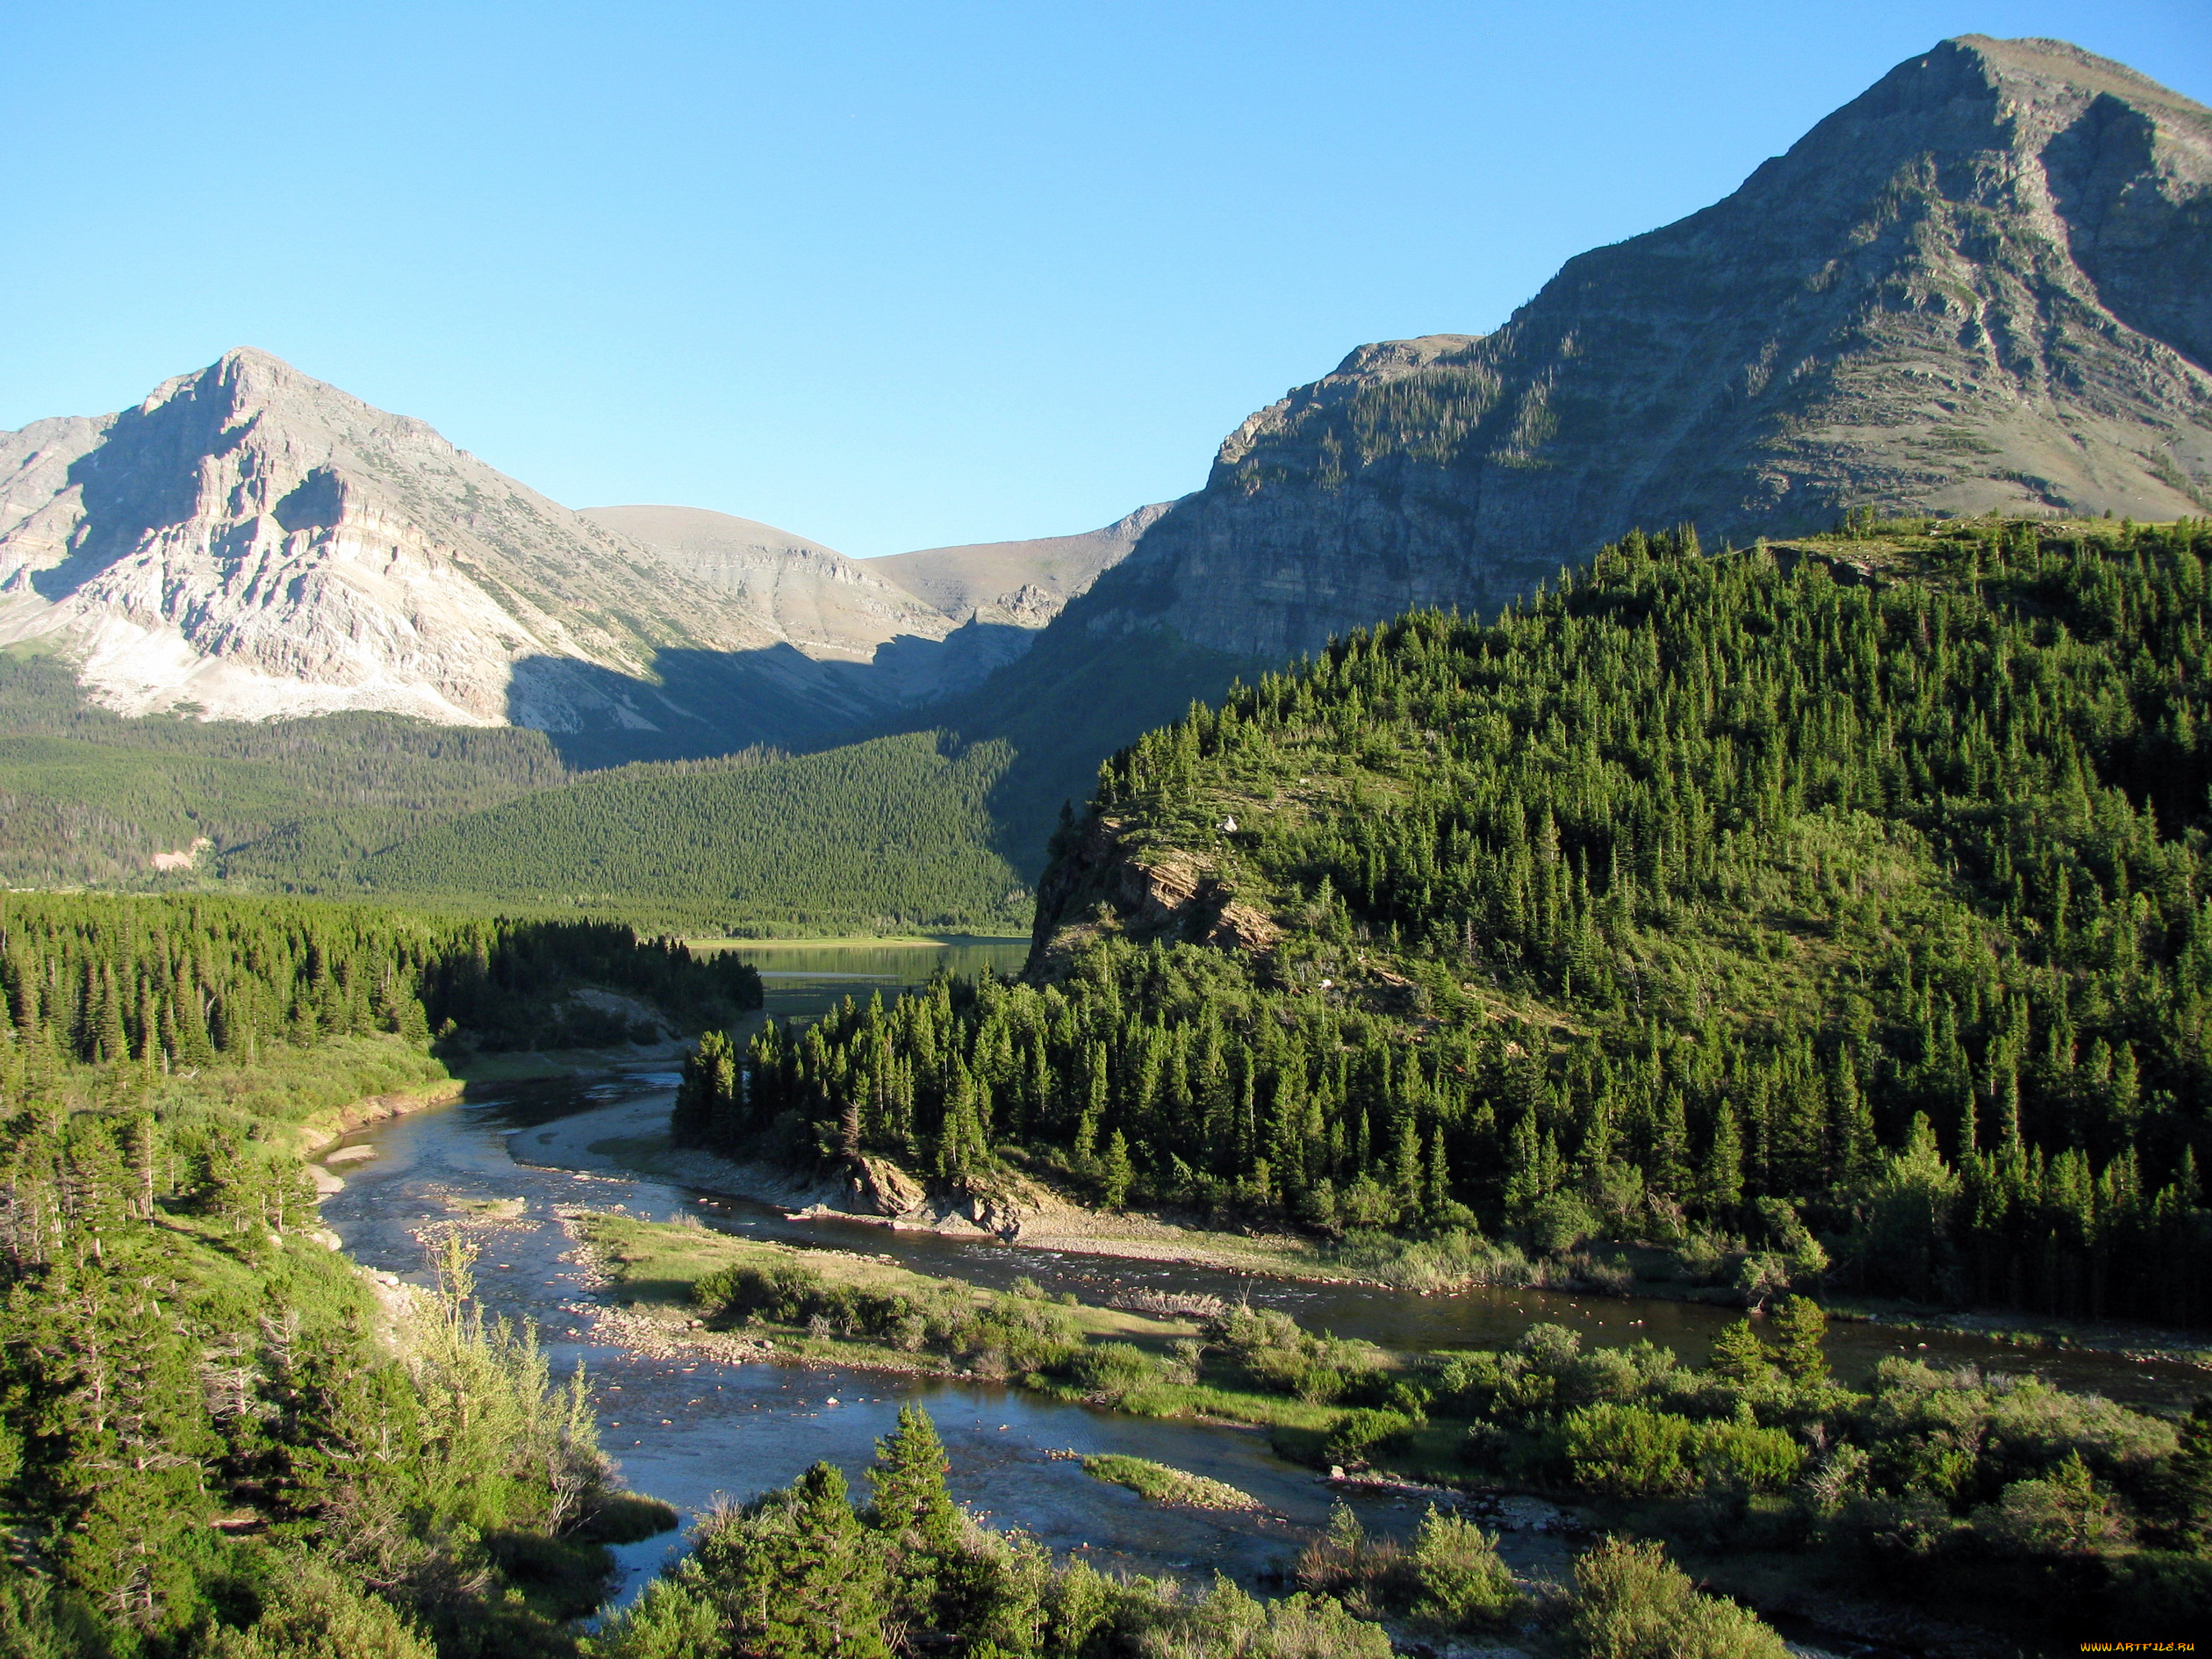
point(1738, 1453)
point(1111, 1367)
point(780, 1295)
point(2064, 1514)
point(1461, 1583)
point(1352, 1436)
point(1560, 1222)
point(1628, 1451)
point(1282, 1358)
point(1631, 1603)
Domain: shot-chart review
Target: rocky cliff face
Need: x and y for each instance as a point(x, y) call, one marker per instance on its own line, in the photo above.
point(1980, 286)
point(1097, 881)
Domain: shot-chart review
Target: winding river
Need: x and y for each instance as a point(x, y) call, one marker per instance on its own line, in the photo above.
point(694, 1433)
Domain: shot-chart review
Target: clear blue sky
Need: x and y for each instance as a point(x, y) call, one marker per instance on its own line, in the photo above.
point(889, 274)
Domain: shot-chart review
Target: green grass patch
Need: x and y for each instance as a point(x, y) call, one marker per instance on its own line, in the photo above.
point(1065, 1349)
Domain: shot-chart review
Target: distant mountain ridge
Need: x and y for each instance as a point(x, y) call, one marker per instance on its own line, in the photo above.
point(929, 624)
point(1980, 286)
point(827, 605)
point(249, 542)
point(1017, 580)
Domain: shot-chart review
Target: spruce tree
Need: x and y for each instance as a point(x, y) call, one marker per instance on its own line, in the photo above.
point(1118, 1174)
point(1739, 1356)
point(1802, 1327)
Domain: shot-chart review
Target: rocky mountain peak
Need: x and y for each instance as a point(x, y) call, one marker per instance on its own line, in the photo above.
point(1979, 286)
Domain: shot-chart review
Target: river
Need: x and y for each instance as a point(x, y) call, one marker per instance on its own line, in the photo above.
point(694, 1433)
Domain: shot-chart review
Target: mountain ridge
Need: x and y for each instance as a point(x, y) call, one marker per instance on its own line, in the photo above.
point(1936, 302)
point(250, 543)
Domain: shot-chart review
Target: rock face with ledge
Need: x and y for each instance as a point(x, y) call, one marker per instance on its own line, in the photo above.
point(1980, 284)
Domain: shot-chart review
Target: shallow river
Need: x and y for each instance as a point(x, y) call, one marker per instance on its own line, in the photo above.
point(691, 1433)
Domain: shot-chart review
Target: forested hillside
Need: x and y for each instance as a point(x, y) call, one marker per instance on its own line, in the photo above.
point(897, 833)
point(213, 1439)
point(891, 834)
point(90, 797)
point(1828, 909)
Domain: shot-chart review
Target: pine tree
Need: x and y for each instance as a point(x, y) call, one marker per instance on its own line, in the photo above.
point(911, 1506)
point(1802, 1327)
point(1739, 1356)
point(1720, 1185)
point(1118, 1174)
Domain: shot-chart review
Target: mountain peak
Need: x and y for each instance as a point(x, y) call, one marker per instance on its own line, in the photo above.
point(249, 541)
point(1979, 286)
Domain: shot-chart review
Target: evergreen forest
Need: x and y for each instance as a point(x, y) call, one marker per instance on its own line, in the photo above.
point(216, 1438)
point(90, 797)
point(1830, 914)
point(894, 834)
point(897, 834)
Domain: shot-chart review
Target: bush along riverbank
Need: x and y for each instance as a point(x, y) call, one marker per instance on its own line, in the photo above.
point(807, 1571)
point(1933, 1489)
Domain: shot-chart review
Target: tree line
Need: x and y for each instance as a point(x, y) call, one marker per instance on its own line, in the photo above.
point(91, 796)
point(893, 833)
point(167, 983)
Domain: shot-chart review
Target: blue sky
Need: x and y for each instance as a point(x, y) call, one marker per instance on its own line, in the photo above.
point(891, 276)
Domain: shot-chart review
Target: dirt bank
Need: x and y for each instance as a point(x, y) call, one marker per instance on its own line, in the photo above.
point(323, 1128)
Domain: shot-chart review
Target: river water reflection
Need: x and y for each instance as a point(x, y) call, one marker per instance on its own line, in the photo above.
point(694, 1433)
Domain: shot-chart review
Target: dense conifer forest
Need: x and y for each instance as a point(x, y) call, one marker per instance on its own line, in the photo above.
point(213, 1439)
point(90, 797)
point(889, 835)
point(1831, 914)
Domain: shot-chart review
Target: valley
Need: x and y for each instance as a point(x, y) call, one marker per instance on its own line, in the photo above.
point(1567, 1015)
